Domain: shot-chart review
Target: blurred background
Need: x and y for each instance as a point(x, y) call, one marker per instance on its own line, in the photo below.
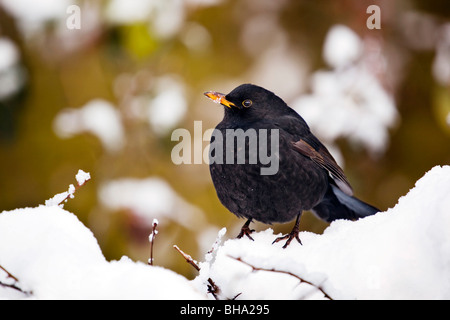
point(101, 85)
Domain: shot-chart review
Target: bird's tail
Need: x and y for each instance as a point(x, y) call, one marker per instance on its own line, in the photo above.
point(337, 205)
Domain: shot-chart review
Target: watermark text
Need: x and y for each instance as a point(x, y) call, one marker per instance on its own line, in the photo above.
point(234, 146)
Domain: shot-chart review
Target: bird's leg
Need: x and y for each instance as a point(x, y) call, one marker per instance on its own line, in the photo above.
point(245, 230)
point(293, 234)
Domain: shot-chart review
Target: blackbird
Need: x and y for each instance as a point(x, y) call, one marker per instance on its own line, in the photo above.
point(307, 176)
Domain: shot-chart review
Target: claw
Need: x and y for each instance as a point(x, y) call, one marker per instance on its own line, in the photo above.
point(246, 231)
point(290, 236)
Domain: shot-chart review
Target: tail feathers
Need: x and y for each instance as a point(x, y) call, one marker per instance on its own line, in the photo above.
point(337, 205)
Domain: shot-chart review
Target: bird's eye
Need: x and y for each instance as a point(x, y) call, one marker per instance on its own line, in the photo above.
point(247, 103)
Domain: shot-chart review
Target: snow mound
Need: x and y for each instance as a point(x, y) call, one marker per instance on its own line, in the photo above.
point(54, 256)
point(403, 253)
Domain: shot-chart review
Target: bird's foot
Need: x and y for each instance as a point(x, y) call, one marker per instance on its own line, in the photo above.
point(293, 234)
point(246, 231)
point(290, 236)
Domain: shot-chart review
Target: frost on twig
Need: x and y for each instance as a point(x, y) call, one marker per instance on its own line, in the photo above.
point(14, 282)
point(209, 255)
point(212, 287)
point(254, 268)
point(61, 198)
point(151, 239)
point(187, 257)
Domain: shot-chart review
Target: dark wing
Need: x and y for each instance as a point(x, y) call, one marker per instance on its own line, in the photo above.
point(309, 146)
point(323, 158)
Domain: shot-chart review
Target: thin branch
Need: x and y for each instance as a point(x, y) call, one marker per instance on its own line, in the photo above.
point(9, 275)
point(187, 257)
point(283, 272)
point(217, 241)
point(212, 287)
point(72, 190)
point(14, 285)
point(151, 238)
point(61, 198)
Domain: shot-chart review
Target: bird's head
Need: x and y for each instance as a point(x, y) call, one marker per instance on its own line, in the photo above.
point(248, 100)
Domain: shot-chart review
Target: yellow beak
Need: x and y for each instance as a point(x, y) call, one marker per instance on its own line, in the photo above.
point(219, 98)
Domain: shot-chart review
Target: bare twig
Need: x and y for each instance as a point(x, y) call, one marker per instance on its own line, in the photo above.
point(283, 272)
point(9, 275)
point(187, 257)
point(212, 287)
point(14, 285)
point(151, 238)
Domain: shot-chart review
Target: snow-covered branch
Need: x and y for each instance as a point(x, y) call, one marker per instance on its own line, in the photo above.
point(212, 287)
point(151, 239)
point(302, 280)
point(402, 253)
point(61, 198)
point(14, 285)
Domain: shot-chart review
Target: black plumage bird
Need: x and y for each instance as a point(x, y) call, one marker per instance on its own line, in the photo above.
point(306, 178)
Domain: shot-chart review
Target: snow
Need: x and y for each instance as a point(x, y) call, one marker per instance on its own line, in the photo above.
point(356, 106)
point(12, 75)
point(82, 177)
point(166, 17)
point(402, 253)
point(98, 117)
point(56, 257)
point(9, 54)
point(124, 12)
point(351, 95)
point(152, 235)
point(32, 18)
point(26, 10)
point(210, 255)
point(59, 198)
point(342, 46)
point(169, 105)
